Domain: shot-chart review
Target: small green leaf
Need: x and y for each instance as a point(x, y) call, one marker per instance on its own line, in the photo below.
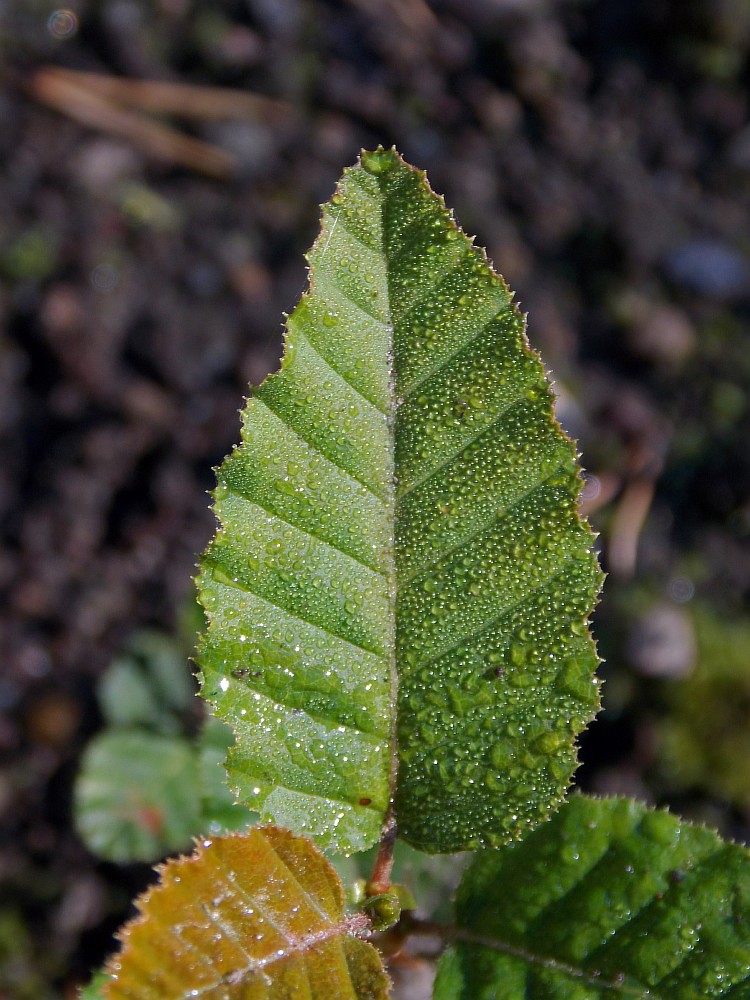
point(259, 915)
point(219, 811)
point(400, 575)
point(136, 798)
point(165, 663)
point(140, 795)
point(126, 696)
point(95, 989)
point(608, 899)
point(150, 685)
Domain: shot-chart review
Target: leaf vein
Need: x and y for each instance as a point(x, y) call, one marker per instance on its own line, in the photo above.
point(260, 778)
point(232, 488)
point(498, 418)
point(632, 915)
point(329, 281)
point(487, 625)
point(455, 263)
point(315, 716)
point(245, 588)
point(284, 419)
point(530, 958)
point(343, 378)
point(338, 219)
point(501, 512)
point(450, 358)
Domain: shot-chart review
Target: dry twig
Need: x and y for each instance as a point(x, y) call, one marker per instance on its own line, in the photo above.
point(180, 99)
point(104, 103)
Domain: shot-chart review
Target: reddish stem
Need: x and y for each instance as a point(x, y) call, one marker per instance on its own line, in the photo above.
point(380, 880)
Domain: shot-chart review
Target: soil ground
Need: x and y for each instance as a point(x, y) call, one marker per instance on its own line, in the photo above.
point(600, 150)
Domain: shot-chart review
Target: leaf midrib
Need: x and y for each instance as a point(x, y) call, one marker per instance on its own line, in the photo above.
point(461, 936)
point(390, 557)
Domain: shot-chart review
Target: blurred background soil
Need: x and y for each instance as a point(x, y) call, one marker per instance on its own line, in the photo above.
point(600, 150)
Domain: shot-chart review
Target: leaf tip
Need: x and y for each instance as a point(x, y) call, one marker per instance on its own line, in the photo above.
point(380, 160)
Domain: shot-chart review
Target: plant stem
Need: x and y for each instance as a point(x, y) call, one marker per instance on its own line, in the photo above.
point(380, 880)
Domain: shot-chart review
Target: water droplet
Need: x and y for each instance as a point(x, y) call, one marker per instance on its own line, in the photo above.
point(62, 23)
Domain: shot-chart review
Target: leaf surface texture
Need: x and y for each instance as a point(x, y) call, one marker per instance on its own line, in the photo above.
point(400, 578)
point(609, 899)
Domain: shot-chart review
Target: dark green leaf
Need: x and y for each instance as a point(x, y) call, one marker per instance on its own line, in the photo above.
point(609, 898)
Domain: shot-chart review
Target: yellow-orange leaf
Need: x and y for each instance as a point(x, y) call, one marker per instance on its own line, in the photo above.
point(249, 916)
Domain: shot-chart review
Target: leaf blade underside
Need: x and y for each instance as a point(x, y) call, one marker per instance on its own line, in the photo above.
point(608, 899)
point(259, 915)
point(400, 568)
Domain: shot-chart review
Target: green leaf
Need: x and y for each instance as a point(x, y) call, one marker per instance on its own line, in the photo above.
point(136, 797)
point(702, 729)
point(126, 697)
point(260, 915)
point(95, 989)
point(140, 795)
point(219, 811)
point(400, 575)
point(148, 686)
point(608, 899)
